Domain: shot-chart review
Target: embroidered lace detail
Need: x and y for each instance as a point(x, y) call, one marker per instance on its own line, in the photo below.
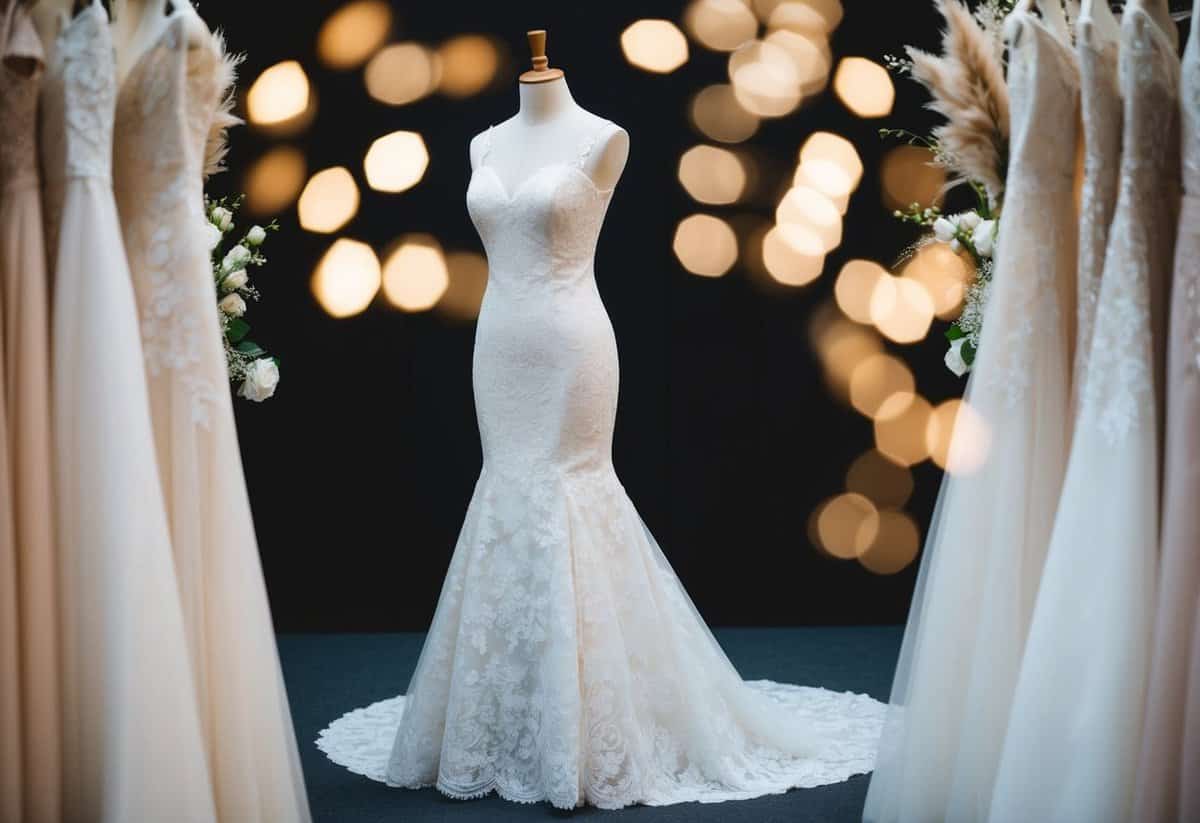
point(164, 112)
point(1120, 387)
point(1035, 253)
point(20, 81)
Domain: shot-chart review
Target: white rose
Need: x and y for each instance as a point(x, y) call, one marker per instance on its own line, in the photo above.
point(236, 280)
point(944, 229)
point(256, 235)
point(955, 246)
point(262, 376)
point(222, 218)
point(954, 357)
point(984, 238)
point(212, 236)
point(969, 220)
point(232, 305)
point(235, 258)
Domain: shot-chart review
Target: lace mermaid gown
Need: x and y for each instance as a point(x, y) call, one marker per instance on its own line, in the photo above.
point(1170, 758)
point(169, 107)
point(132, 748)
point(1071, 750)
point(983, 559)
point(29, 728)
point(565, 661)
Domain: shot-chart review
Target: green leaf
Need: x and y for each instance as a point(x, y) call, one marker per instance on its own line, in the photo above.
point(237, 330)
point(968, 354)
point(955, 333)
point(250, 348)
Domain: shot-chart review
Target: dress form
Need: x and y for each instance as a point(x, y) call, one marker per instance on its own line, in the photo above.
point(48, 17)
point(548, 128)
point(136, 25)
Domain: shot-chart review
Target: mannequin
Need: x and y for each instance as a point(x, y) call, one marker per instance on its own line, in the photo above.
point(549, 128)
point(48, 18)
point(137, 25)
point(1052, 12)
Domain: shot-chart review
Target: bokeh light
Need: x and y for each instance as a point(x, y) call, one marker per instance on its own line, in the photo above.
point(396, 162)
point(721, 25)
point(864, 87)
point(945, 276)
point(841, 346)
point(468, 279)
point(794, 16)
point(718, 115)
point(469, 63)
point(807, 207)
point(908, 175)
point(793, 254)
point(854, 287)
point(706, 245)
point(897, 541)
point(876, 379)
point(900, 428)
point(835, 149)
point(353, 33)
point(847, 525)
point(901, 309)
point(329, 201)
point(958, 437)
point(765, 79)
point(880, 479)
point(273, 181)
point(810, 57)
point(656, 46)
point(712, 175)
point(415, 275)
point(347, 278)
point(402, 73)
point(828, 178)
point(279, 95)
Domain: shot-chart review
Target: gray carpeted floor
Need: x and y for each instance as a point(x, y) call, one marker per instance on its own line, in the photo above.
point(330, 674)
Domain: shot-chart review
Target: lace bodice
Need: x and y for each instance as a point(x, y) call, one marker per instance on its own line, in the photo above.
point(545, 228)
point(164, 113)
point(1119, 390)
point(21, 66)
point(1098, 47)
point(79, 93)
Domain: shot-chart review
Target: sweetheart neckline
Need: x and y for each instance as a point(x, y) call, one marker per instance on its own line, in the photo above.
point(510, 197)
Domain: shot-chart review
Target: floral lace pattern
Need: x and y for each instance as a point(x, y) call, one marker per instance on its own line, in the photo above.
point(163, 113)
point(565, 662)
point(1119, 392)
point(1035, 257)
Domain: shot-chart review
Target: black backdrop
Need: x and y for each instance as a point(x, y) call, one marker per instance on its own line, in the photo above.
point(360, 469)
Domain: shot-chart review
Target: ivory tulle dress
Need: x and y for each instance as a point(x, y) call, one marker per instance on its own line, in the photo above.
point(1168, 789)
point(983, 559)
point(565, 661)
point(132, 745)
point(29, 722)
point(173, 99)
point(1071, 750)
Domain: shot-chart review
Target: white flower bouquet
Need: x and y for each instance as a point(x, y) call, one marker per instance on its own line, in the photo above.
point(251, 368)
point(966, 85)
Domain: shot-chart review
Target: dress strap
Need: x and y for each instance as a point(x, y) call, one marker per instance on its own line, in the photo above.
point(486, 145)
point(588, 145)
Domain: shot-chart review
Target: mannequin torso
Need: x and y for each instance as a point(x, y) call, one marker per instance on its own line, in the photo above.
point(548, 129)
point(137, 25)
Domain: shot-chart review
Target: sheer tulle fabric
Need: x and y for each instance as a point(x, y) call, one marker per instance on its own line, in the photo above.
point(983, 561)
point(164, 113)
point(26, 370)
point(565, 661)
point(1072, 744)
point(132, 748)
point(1170, 756)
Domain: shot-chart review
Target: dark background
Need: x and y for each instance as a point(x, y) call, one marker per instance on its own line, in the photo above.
point(361, 467)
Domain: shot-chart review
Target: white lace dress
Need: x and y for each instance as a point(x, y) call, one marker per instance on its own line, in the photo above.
point(132, 747)
point(983, 558)
point(1071, 750)
point(165, 113)
point(565, 662)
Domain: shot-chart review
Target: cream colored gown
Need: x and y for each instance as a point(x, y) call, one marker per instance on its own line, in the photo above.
point(169, 103)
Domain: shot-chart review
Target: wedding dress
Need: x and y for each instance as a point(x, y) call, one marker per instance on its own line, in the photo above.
point(1170, 756)
point(170, 102)
point(983, 559)
point(1071, 749)
point(565, 661)
point(132, 748)
point(26, 413)
point(1097, 42)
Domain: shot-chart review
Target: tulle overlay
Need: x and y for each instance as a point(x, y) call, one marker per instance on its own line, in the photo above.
point(566, 663)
